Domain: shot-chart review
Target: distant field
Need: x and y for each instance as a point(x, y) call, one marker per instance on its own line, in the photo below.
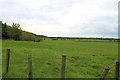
point(84, 59)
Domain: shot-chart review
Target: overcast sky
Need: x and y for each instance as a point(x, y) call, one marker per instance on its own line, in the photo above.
point(71, 18)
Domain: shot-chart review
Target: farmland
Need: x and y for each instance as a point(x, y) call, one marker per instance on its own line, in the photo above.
point(84, 59)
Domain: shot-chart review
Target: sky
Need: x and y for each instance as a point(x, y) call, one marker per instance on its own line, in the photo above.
point(63, 18)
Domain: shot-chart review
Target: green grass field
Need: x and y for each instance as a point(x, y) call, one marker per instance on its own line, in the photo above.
point(84, 59)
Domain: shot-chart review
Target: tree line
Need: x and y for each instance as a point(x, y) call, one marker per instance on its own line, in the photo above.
point(16, 33)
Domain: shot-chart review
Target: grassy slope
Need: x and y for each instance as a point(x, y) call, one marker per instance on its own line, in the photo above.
point(47, 58)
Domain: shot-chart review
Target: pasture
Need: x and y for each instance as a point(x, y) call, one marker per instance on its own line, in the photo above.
point(84, 59)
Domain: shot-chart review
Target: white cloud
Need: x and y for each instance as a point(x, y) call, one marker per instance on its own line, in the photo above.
point(63, 17)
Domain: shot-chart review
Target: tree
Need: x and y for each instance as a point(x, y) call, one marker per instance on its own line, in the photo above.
point(15, 32)
point(5, 31)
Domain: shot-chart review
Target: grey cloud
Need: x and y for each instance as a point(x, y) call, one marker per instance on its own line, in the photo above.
point(99, 25)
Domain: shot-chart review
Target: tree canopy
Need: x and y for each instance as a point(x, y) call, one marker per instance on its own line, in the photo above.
point(16, 33)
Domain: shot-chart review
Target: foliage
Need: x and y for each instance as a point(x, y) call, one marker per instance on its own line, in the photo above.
point(14, 32)
point(5, 31)
point(27, 36)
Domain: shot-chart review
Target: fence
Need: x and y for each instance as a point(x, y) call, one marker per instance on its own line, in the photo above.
point(63, 66)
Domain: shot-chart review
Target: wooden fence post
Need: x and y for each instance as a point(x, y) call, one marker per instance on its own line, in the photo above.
point(104, 73)
point(30, 67)
point(117, 65)
point(7, 60)
point(63, 67)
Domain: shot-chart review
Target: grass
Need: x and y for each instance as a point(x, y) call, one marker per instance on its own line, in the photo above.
point(84, 59)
